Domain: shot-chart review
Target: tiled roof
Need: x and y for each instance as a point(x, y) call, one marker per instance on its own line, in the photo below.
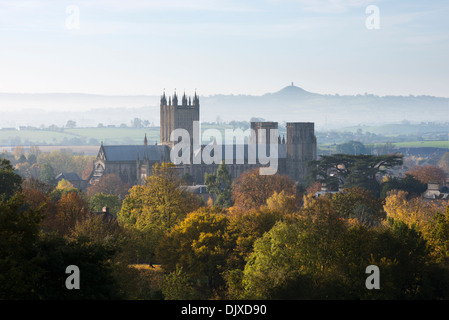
point(162, 152)
point(70, 176)
point(132, 153)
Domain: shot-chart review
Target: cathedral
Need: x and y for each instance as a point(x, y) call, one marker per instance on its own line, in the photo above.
point(133, 163)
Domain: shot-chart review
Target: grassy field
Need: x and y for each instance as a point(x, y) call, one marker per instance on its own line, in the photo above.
point(434, 144)
point(400, 129)
point(80, 137)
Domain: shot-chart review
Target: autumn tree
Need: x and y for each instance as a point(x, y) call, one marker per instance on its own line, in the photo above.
point(251, 189)
point(109, 184)
point(314, 187)
point(198, 244)
point(426, 216)
point(245, 227)
point(360, 204)
point(304, 250)
point(415, 211)
point(157, 206)
point(428, 174)
point(64, 184)
point(160, 202)
point(443, 163)
point(322, 256)
point(282, 203)
point(71, 208)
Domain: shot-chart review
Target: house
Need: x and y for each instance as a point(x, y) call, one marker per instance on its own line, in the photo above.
point(73, 178)
point(435, 191)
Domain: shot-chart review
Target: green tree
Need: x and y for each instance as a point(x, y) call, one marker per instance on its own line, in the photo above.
point(351, 147)
point(70, 124)
point(19, 233)
point(178, 286)
point(410, 184)
point(220, 184)
point(93, 259)
point(352, 170)
point(187, 178)
point(274, 262)
point(65, 160)
point(10, 182)
point(47, 174)
point(100, 200)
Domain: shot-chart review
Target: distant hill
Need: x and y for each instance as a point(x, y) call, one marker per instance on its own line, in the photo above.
point(291, 103)
point(296, 104)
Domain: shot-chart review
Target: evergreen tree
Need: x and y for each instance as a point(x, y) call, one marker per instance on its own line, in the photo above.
point(9, 180)
point(220, 185)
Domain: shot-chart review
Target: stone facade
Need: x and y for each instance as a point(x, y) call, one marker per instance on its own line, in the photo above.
point(178, 116)
point(133, 163)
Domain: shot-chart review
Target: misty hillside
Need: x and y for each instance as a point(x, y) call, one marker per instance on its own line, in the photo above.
point(291, 103)
point(295, 104)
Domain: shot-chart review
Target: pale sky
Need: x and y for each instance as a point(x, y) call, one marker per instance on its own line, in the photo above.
point(224, 46)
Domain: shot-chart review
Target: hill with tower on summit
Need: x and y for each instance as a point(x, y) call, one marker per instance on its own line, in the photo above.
point(291, 102)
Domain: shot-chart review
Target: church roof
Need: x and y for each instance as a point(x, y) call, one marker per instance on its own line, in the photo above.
point(122, 153)
point(242, 151)
point(134, 152)
point(70, 176)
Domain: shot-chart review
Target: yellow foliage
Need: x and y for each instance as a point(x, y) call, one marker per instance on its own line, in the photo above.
point(308, 200)
point(416, 211)
point(210, 202)
point(282, 202)
point(64, 184)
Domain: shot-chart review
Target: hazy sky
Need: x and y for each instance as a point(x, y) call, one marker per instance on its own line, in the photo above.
point(224, 46)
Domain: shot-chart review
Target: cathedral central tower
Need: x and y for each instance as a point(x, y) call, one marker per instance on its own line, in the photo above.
point(178, 116)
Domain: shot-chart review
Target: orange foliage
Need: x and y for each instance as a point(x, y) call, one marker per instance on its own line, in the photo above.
point(427, 174)
point(109, 184)
point(252, 190)
point(70, 209)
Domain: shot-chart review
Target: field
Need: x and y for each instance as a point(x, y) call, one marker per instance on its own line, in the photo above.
point(87, 140)
point(78, 136)
point(434, 144)
point(87, 136)
point(401, 129)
